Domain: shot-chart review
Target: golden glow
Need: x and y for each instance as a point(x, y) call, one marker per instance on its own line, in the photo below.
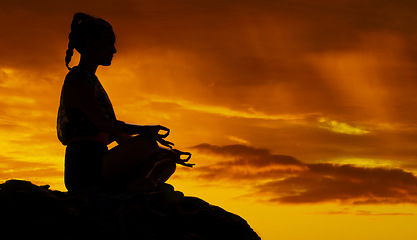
point(280, 91)
point(340, 127)
point(238, 140)
point(227, 112)
point(365, 162)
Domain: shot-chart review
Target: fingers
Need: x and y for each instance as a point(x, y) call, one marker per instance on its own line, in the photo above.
point(187, 164)
point(182, 161)
point(165, 143)
point(159, 137)
point(162, 128)
point(181, 153)
point(156, 129)
point(153, 131)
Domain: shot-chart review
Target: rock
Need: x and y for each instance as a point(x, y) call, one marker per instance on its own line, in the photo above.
point(31, 211)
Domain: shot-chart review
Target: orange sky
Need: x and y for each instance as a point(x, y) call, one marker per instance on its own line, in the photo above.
point(300, 115)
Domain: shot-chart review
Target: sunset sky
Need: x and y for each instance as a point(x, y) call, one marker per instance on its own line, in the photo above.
point(301, 115)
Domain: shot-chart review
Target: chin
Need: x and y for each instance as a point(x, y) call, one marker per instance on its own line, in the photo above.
point(106, 63)
point(105, 60)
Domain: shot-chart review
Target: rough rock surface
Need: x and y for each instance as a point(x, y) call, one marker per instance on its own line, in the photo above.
point(35, 212)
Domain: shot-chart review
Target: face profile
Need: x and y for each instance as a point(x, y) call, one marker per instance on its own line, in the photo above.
point(93, 38)
point(102, 48)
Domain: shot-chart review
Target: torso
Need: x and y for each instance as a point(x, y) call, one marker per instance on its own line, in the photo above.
point(67, 105)
point(101, 137)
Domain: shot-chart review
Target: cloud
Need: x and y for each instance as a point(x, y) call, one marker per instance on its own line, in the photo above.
point(369, 213)
point(254, 157)
point(340, 127)
point(365, 213)
point(11, 168)
point(244, 163)
point(227, 112)
point(284, 179)
point(345, 184)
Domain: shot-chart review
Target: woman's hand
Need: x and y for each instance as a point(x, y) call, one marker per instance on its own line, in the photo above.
point(153, 132)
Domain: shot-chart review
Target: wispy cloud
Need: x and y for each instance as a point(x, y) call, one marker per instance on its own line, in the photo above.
point(365, 213)
point(345, 184)
point(229, 112)
point(13, 168)
point(284, 179)
point(340, 127)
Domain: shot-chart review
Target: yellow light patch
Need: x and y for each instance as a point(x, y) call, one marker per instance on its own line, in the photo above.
point(340, 127)
point(365, 162)
point(237, 140)
point(227, 112)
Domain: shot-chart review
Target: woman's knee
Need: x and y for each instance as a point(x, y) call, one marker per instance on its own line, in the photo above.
point(168, 164)
point(128, 156)
point(165, 166)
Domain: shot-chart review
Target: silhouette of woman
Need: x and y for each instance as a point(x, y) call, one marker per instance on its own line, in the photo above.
point(86, 124)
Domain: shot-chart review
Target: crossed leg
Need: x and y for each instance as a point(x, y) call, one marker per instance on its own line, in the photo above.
point(135, 160)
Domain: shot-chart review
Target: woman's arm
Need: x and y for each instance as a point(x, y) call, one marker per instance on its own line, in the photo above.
point(123, 138)
point(80, 93)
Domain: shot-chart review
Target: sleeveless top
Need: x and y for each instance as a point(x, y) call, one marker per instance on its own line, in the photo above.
point(72, 122)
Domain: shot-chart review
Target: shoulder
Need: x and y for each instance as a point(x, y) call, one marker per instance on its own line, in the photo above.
point(78, 79)
point(77, 74)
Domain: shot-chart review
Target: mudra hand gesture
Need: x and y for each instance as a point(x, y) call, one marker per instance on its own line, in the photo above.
point(153, 132)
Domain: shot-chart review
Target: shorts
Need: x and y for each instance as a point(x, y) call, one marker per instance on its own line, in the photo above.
point(83, 166)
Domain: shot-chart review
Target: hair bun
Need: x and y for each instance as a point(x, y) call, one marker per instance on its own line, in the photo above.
point(79, 18)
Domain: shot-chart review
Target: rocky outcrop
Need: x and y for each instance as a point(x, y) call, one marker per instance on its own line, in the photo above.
point(28, 210)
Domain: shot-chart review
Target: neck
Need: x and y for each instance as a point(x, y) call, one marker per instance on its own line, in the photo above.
point(88, 65)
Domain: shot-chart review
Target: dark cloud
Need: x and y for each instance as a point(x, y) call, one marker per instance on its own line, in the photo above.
point(253, 157)
point(345, 184)
point(245, 163)
point(283, 179)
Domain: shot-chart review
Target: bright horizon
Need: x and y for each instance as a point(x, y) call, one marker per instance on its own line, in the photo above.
point(300, 115)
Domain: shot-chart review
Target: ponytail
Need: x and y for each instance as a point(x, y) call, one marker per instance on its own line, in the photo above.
point(69, 53)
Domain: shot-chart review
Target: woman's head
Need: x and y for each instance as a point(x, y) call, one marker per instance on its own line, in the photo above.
point(92, 37)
